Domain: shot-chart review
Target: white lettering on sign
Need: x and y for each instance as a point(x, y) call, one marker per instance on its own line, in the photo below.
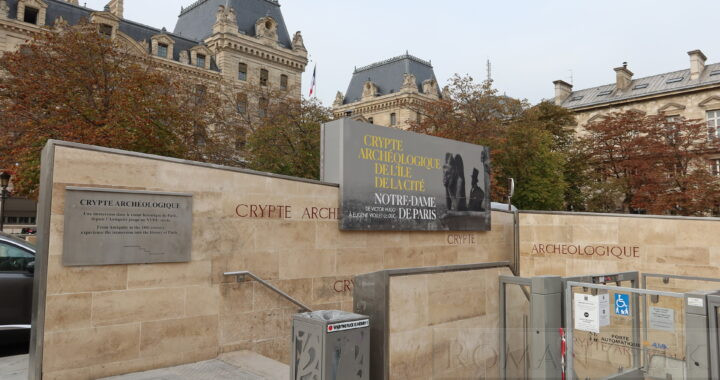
point(348, 325)
point(697, 302)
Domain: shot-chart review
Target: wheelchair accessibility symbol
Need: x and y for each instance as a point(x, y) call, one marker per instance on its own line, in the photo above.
point(622, 304)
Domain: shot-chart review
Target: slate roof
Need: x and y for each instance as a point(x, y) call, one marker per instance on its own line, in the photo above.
point(652, 85)
point(73, 14)
point(388, 76)
point(196, 21)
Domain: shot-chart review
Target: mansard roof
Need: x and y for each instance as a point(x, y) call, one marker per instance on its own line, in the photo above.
point(641, 87)
point(388, 76)
point(196, 21)
point(73, 14)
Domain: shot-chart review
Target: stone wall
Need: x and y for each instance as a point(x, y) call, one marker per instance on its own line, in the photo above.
point(569, 245)
point(444, 326)
point(107, 320)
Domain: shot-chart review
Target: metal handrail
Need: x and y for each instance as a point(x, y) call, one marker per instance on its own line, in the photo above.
point(240, 278)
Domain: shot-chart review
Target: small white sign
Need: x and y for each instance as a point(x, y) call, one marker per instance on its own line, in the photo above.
point(587, 313)
point(342, 326)
point(662, 318)
point(698, 302)
point(604, 309)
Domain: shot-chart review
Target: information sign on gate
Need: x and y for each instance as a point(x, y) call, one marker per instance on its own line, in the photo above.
point(622, 304)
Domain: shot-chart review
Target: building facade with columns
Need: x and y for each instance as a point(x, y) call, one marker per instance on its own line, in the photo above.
point(693, 93)
point(389, 93)
point(230, 43)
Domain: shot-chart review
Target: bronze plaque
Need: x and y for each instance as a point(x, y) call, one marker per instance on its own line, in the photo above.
point(107, 227)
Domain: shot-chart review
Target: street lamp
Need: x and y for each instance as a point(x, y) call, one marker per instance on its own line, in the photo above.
point(4, 194)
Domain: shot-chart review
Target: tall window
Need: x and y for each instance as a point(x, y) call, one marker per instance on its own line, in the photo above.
point(200, 61)
point(200, 94)
point(715, 166)
point(262, 107)
point(242, 71)
point(284, 81)
point(162, 50)
point(242, 103)
point(713, 121)
point(31, 15)
point(263, 77)
point(393, 119)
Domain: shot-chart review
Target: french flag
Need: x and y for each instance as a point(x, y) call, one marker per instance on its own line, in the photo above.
point(313, 84)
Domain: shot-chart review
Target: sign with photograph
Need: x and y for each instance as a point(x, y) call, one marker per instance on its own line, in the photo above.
point(392, 179)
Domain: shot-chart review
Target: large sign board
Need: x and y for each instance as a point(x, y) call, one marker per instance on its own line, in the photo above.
point(107, 226)
point(397, 180)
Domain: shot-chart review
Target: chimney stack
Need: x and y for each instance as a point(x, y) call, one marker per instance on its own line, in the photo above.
point(116, 7)
point(697, 63)
point(562, 91)
point(623, 77)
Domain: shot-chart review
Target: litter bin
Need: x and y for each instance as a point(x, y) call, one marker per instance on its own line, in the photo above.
point(330, 345)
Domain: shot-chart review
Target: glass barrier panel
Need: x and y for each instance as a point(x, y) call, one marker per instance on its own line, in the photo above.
point(517, 320)
point(445, 325)
point(680, 285)
point(617, 331)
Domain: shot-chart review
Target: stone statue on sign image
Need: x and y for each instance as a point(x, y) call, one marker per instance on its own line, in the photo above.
point(454, 182)
point(477, 195)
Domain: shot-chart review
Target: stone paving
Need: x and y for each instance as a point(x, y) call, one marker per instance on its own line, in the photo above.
point(14, 367)
point(241, 365)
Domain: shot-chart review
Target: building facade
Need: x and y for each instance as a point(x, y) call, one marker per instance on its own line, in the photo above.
point(230, 43)
point(389, 93)
point(693, 93)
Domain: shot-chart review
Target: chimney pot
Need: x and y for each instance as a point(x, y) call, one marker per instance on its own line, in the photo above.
point(562, 91)
point(697, 63)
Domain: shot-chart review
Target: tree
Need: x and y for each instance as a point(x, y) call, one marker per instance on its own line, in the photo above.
point(527, 143)
point(287, 141)
point(77, 85)
point(650, 163)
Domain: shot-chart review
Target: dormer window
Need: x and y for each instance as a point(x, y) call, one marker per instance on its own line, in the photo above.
point(263, 77)
point(31, 15)
point(105, 30)
point(162, 50)
point(268, 24)
point(200, 60)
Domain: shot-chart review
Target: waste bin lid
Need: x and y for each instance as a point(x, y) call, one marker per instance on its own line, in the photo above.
point(329, 316)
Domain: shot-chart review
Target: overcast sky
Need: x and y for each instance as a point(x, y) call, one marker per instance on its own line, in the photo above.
point(530, 43)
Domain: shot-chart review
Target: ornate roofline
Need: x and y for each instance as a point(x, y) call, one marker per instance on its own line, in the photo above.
point(184, 10)
point(392, 60)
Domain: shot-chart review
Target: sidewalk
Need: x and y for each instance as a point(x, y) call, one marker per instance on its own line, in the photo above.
point(241, 365)
point(14, 367)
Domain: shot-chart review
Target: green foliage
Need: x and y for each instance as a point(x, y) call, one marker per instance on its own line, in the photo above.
point(529, 144)
point(287, 141)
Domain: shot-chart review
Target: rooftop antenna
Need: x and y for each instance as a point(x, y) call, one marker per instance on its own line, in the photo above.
point(572, 77)
point(489, 70)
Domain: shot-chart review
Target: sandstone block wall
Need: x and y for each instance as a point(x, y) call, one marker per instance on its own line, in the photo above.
point(108, 320)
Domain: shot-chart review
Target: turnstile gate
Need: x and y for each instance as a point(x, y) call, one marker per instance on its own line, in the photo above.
point(613, 329)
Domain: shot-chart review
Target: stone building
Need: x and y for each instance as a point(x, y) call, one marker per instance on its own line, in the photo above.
point(389, 93)
point(693, 93)
point(231, 43)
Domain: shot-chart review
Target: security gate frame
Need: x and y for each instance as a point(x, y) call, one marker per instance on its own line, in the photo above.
point(713, 307)
point(697, 333)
